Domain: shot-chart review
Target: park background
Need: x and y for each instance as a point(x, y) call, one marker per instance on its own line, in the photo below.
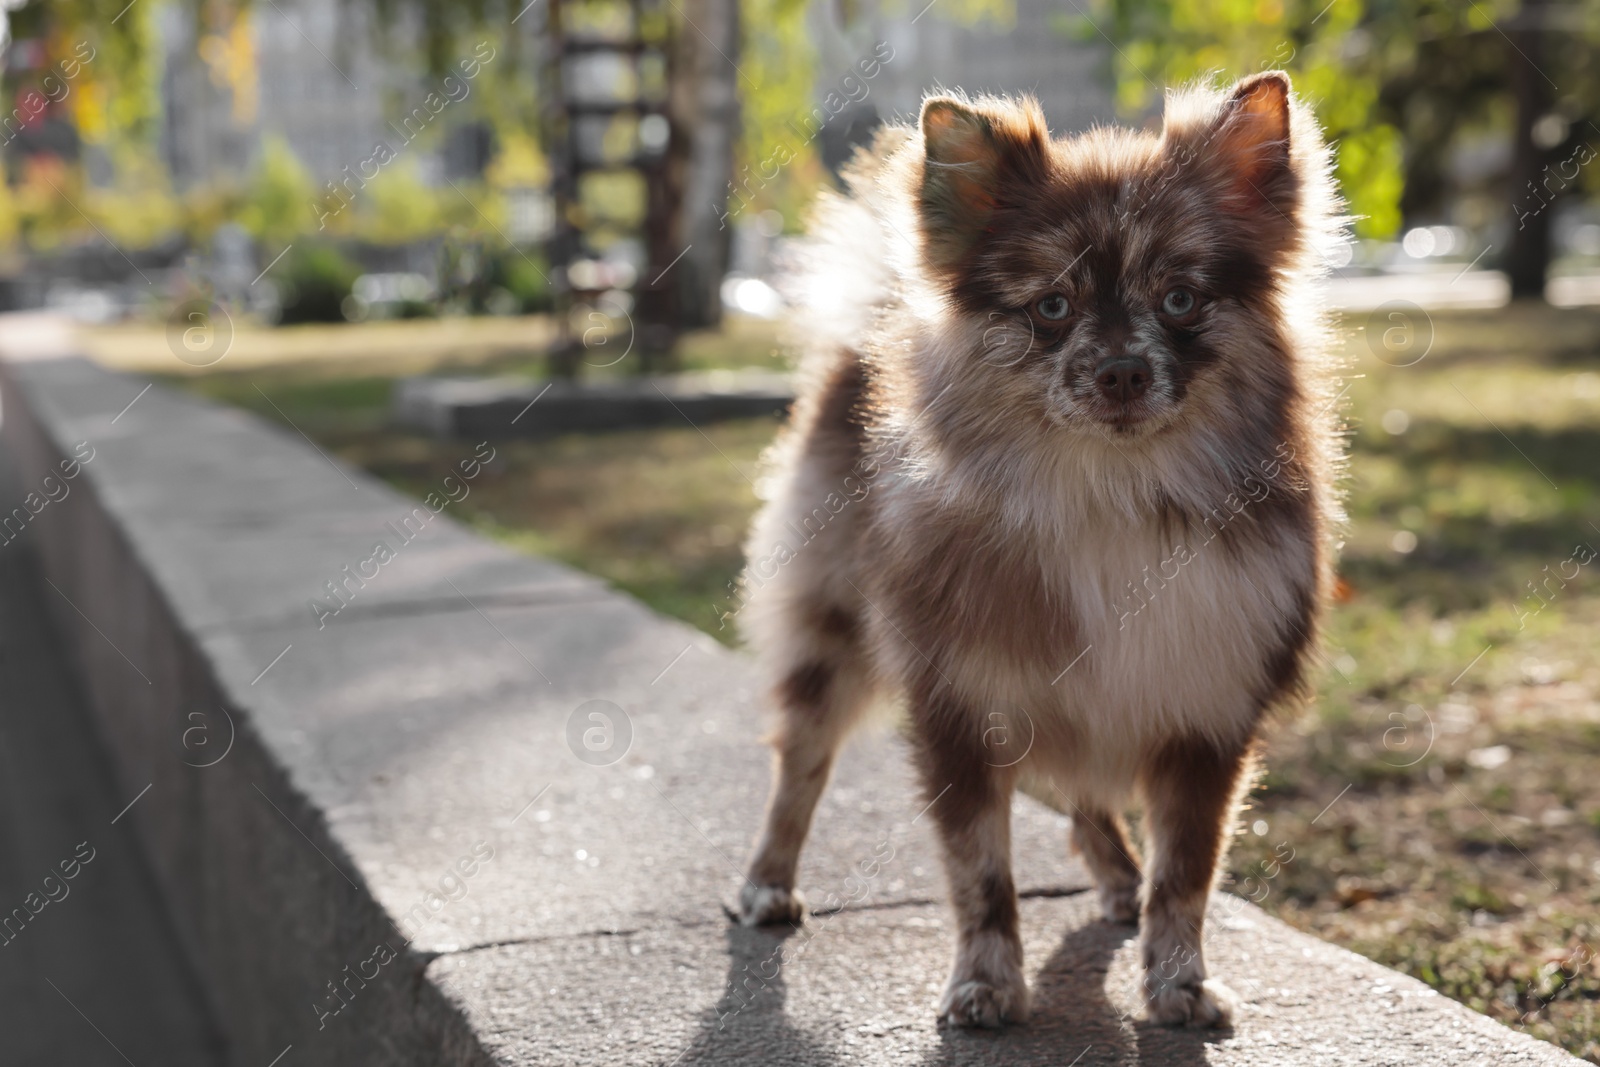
point(297, 207)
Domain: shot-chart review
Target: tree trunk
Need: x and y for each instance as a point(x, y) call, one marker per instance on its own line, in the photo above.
point(704, 107)
point(1528, 258)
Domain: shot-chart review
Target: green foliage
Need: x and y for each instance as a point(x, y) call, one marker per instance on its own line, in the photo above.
point(525, 279)
point(100, 68)
point(1170, 42)
point(277, 206)
point(396, 208)
point(1395, 83)
point(1371, 176)
point(313, 284)
point(779, 65)
point(480, 277)
point(782, 78)
point(115, 97)
point(139, 209)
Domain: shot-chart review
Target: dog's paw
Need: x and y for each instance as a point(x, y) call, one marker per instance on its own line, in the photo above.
point(1120, 904)
point(974, 1004)
point(1200, 1004)
point(766, 904)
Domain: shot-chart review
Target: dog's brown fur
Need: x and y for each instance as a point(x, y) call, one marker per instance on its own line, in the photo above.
point(967, 513)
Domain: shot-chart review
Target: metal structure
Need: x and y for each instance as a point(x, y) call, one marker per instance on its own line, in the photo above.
point(607, 129)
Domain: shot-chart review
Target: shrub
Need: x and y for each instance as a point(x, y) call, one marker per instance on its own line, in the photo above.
point(314, 284)
point(277, 203)
point(522, 279)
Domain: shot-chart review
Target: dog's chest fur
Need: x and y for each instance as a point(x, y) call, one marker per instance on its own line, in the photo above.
point(1108, 630)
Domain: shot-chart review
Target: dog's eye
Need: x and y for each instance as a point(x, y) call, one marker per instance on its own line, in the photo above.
point(1179, 303)
point(1053, 307)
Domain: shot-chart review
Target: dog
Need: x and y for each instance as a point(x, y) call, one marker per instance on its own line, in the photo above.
point(1064, 453)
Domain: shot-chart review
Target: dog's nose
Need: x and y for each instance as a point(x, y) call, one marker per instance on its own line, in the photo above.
point(1123, 378)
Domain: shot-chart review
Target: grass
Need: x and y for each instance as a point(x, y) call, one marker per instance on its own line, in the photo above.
point(397, 347)
point(1439, 801)
point(660, 514)
point(1437, 808)
point(485, 345)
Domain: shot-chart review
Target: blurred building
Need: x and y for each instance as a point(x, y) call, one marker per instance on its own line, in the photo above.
point(1039, 53)
point(321, 85)
point(918, 50)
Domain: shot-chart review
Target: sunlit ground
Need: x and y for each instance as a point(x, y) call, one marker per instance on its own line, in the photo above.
point(1438, 809)
point(396, 347)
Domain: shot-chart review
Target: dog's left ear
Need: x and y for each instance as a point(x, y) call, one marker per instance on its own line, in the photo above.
point(1249, 142)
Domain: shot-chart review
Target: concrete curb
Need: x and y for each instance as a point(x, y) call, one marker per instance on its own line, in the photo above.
point(418, 764)
point(226, 862)
point(498, 408)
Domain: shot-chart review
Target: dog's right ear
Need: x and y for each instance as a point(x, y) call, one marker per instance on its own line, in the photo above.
point(1250, 140)
point(973, 153)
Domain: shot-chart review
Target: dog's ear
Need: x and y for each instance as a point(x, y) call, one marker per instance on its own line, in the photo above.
point(1249, 144)
point(972, 155)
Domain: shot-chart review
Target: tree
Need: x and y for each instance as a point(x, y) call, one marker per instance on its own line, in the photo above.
point(1398, 84)
point(1521, 70)
point(1160, 43)
point(703, 101)
point(1549, 50)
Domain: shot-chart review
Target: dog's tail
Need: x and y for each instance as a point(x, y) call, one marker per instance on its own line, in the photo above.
point(839, 277)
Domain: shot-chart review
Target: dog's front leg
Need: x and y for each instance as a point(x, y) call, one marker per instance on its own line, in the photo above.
point(1191, 789)
point(971, 806)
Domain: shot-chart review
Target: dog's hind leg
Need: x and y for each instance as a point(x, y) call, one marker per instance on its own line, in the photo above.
point(804, 620)
point(820, 692)
point(1101, 837)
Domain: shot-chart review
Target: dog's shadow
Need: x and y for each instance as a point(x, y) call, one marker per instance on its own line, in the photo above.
point(749, 1023)
point(1073, 1017)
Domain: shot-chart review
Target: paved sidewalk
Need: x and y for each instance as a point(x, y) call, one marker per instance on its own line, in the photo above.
point(96, 976)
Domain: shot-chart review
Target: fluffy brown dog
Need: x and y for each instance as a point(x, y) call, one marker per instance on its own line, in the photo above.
point(1062, 460)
